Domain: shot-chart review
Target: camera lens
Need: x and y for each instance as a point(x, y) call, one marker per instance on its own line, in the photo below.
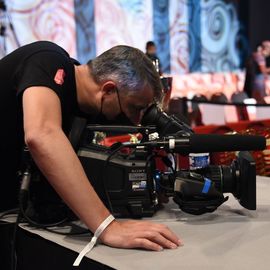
point(224, 177)
point(239, 179)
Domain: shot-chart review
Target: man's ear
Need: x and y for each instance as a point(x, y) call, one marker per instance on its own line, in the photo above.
point(108, 88)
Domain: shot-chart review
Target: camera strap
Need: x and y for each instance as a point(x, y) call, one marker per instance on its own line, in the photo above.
point(93, 241)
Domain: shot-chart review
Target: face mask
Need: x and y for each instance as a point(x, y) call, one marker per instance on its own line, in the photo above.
point(153, 54)
point(120, 119)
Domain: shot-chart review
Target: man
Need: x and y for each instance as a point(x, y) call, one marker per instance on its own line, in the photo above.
point(257, 72)
point(151, 52)
point(42, 88)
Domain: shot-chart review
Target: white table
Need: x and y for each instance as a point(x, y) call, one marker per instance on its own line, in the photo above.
point(230, 238)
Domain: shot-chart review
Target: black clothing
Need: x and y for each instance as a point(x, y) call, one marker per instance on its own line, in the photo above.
point(267, 60)
point(252, 68)
point(38, 64)
point(156, 61)
point(254, 85)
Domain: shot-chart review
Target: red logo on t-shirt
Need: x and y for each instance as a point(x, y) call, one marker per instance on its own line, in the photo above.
point(59, 76)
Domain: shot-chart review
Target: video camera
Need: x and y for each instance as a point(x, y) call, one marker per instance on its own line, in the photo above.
point(129, 182)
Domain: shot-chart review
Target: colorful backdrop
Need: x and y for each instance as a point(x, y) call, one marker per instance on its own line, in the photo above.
point(191, 35)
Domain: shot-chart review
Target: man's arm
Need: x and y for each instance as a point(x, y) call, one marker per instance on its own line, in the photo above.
point(54, 155)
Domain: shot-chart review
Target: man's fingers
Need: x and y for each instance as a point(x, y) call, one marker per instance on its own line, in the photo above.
point(158, 238)
point(168, 234)
point(146, 244)
point(138, 234)
point(163, 230)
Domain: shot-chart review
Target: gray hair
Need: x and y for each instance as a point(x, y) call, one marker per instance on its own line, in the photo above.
point(129, 68)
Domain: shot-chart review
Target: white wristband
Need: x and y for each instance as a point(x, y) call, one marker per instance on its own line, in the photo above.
point(93, 241)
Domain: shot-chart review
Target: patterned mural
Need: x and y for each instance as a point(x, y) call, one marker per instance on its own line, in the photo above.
point(85, 30)
point(191, 35)
point(194, 36)
point(161, 25)
point(39, 20)
point(123, 22)
point(219, 35)
point(179, 48)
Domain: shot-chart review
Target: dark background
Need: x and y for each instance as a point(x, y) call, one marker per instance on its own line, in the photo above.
point(255, 15)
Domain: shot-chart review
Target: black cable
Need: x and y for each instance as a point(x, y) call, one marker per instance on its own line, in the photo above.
point(69, 233)
point(22, 195)
point(13, 255)
point(45, 226)
point(22, 199)
point(40, 225)
point(23, 190)
point(9, 212)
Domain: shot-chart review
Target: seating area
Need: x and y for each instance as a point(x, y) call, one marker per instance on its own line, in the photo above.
point(215, 103)
point(215, 98)
point(207, 84)
point(262, 158)
point(217, 87)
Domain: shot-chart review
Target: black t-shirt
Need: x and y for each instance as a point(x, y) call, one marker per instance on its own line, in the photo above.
point(38, 64)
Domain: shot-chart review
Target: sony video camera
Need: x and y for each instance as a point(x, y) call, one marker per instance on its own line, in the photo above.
point(129, 181)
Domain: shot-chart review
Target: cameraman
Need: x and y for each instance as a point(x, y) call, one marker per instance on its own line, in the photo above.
point(42, 89)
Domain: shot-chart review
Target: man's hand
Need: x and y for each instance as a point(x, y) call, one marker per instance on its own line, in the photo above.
point(139, 234)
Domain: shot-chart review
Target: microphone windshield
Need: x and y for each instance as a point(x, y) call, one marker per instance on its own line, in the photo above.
point(200, 143)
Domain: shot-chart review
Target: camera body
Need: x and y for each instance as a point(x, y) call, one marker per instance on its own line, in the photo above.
point(130, 182)
point(124, 184)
